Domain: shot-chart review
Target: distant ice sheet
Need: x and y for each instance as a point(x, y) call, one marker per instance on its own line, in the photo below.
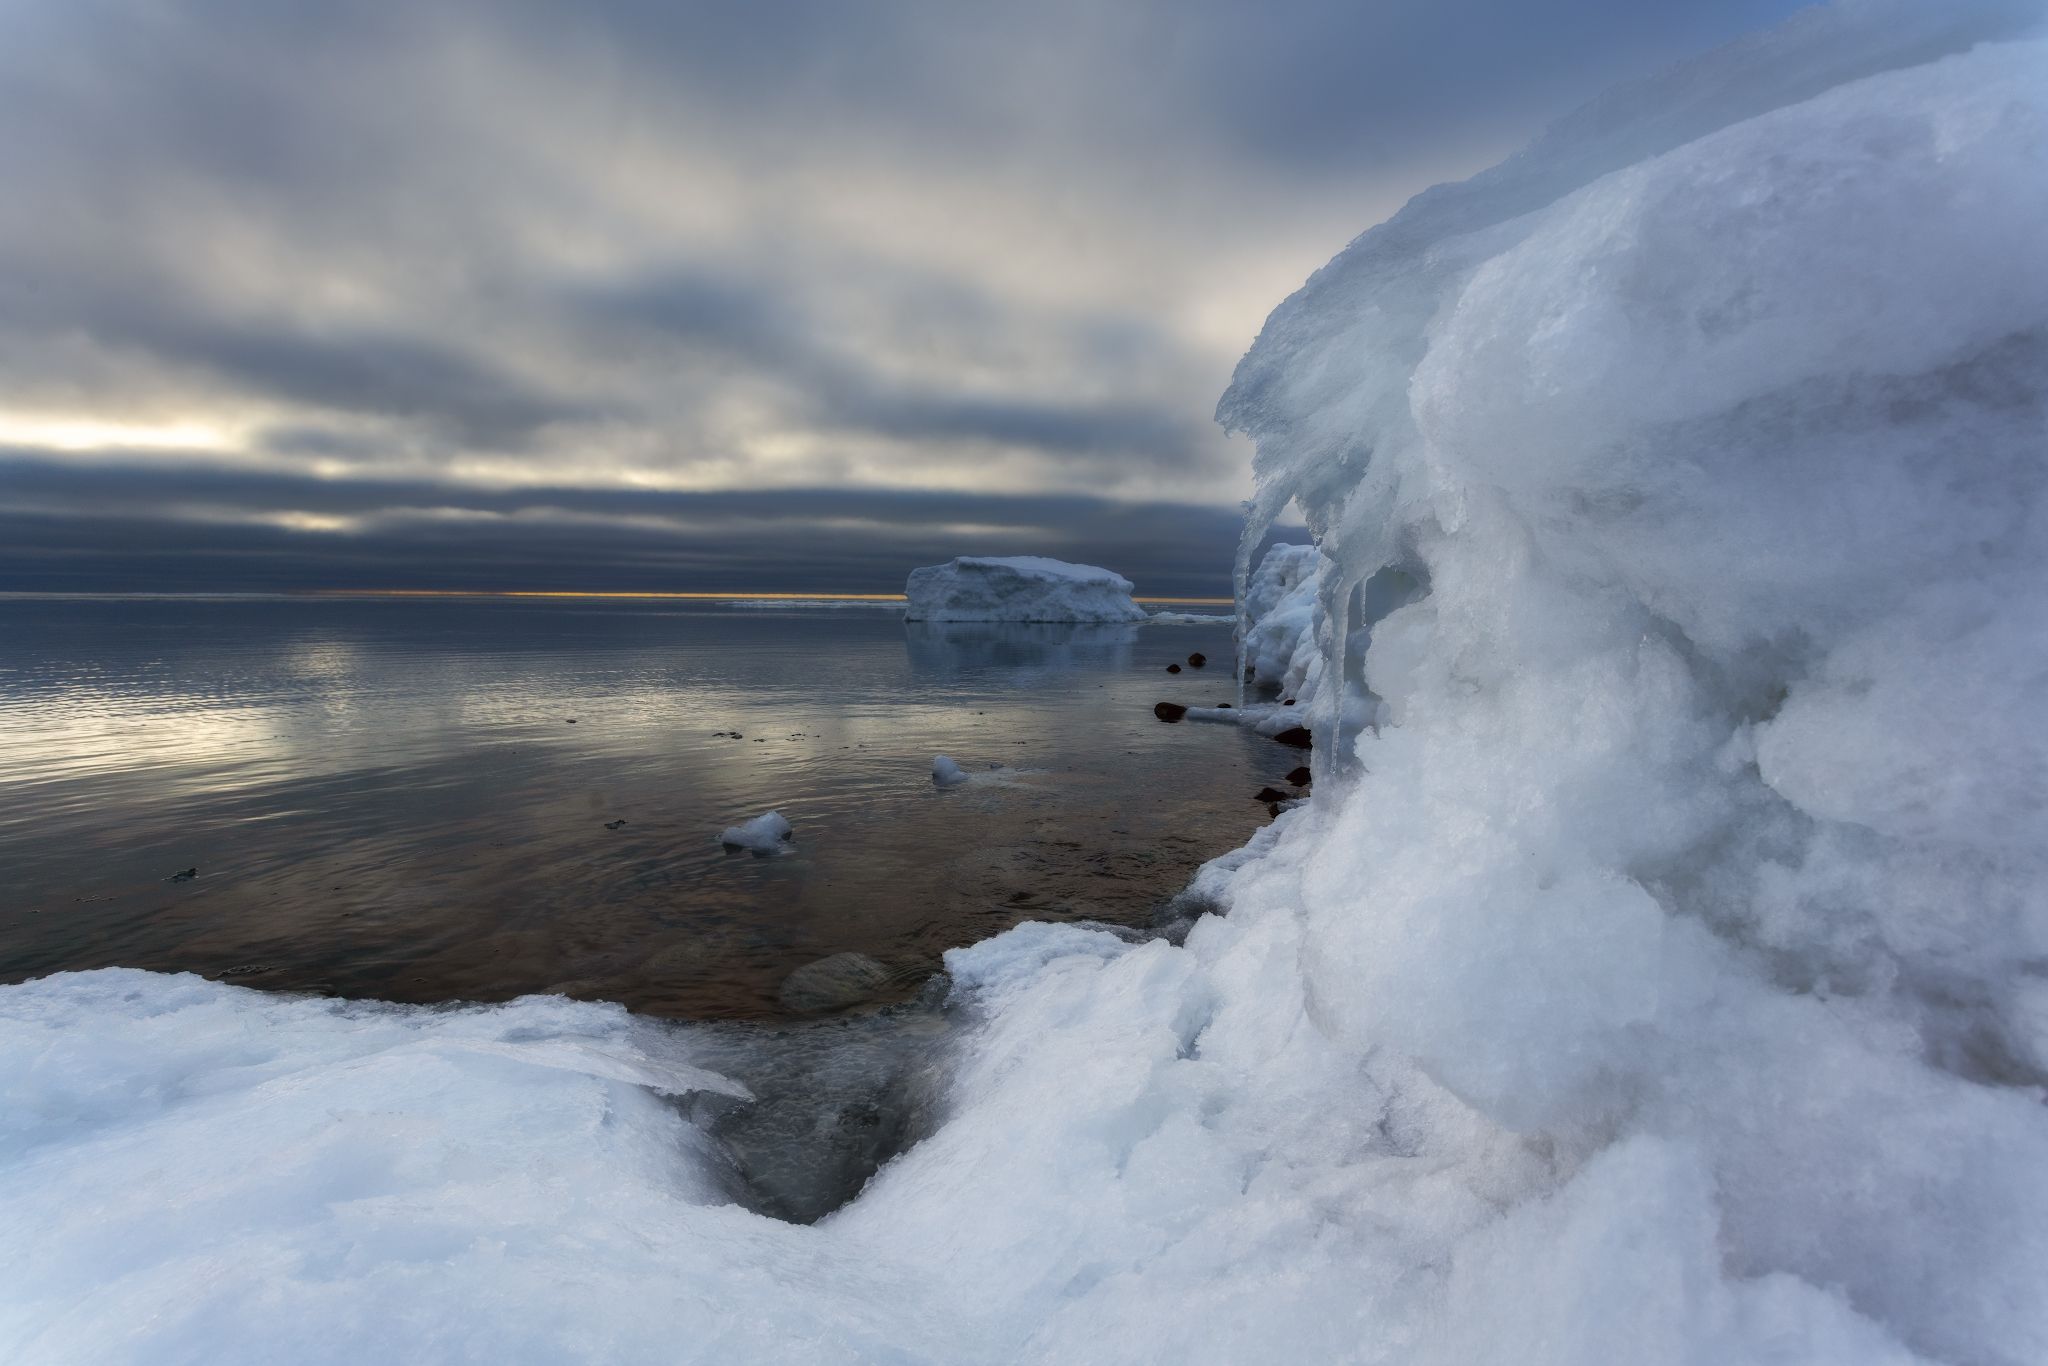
point(816, 604)
point(1022, 588)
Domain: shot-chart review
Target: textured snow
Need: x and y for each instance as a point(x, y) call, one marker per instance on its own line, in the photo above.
point(767, 833)
point(1019, 588)
point(1656, 978)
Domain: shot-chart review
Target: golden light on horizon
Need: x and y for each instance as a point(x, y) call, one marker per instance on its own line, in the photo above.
point(92, 434)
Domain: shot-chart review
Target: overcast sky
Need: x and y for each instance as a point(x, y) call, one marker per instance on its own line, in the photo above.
point(742, 295)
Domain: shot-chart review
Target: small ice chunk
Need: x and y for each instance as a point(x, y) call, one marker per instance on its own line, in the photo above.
point(947, 773)
point(767, 833)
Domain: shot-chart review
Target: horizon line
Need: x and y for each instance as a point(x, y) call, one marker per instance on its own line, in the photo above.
point(685, 595)
point(599, 594)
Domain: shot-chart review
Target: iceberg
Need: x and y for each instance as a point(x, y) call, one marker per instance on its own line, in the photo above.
point(1655, 976)
point(1019, 588)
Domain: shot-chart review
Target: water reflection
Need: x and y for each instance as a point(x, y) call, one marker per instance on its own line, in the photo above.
point(388, 799)
point(960, 649)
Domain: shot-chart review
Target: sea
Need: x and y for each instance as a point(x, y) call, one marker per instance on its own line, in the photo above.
point(437, 799)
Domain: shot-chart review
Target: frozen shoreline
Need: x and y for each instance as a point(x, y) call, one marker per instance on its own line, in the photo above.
point(1654, 980)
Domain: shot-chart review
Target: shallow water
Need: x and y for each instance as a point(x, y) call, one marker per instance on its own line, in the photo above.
point(389, 798)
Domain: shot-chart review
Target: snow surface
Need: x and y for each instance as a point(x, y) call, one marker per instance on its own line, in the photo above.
point(767, 833)
point(1019, 588)
point(1659, 980)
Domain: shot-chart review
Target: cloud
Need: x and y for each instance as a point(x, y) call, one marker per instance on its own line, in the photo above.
point(119, 524)
point(1001, 251)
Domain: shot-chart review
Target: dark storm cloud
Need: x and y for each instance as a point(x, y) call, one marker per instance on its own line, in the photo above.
point(1002, 254)
point(173, 528)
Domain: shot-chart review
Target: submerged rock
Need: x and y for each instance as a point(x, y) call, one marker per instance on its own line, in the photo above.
point(184, 875)
point(1299, 777)
point(834, 983)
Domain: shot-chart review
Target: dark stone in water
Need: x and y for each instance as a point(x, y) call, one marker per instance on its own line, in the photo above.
point(614, 825)
point(1296, 736)
point(844, 979)
point(1173, 668)
point(1169, 711)
point(1300, 776)
point(1273, 809)
point(1288, 703)
point(1222, 706)
point(1198, 659)
point(183, 875)
point(570, 719)
point(1270, 795)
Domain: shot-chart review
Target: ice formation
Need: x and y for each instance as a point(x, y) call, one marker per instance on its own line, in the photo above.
point(767, 833)
point(946, 772)
point(1188, 618)
point(1019, 588)
point(1278, 642)
point(1658, 979)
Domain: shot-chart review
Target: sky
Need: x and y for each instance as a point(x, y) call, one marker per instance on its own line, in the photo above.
point(783, 295)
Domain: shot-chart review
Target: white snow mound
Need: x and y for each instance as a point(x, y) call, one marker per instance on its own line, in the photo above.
point(1019, 588)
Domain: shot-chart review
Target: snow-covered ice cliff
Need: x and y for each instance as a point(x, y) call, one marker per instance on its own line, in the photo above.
point(1018, 588)
point(1660, 980)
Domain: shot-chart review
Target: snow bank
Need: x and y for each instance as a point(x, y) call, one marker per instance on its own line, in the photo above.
point(1659, 980)
point(1019, 588)
point(767, 833)
point(1696, 843)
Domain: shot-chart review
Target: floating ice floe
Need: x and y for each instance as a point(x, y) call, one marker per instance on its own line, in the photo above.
point(767, 833)
point(1027, 588)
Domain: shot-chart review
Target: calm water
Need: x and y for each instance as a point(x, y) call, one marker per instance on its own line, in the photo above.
point(388, 798)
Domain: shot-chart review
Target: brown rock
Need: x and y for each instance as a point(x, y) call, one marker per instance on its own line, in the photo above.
point(1169, 711)
point(1198, 659)
point(1270, 795)
point(1173, 668)
point(1300, 776)
point(1296, 736)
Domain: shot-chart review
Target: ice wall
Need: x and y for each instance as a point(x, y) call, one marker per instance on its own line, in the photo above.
point(1703, 823)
